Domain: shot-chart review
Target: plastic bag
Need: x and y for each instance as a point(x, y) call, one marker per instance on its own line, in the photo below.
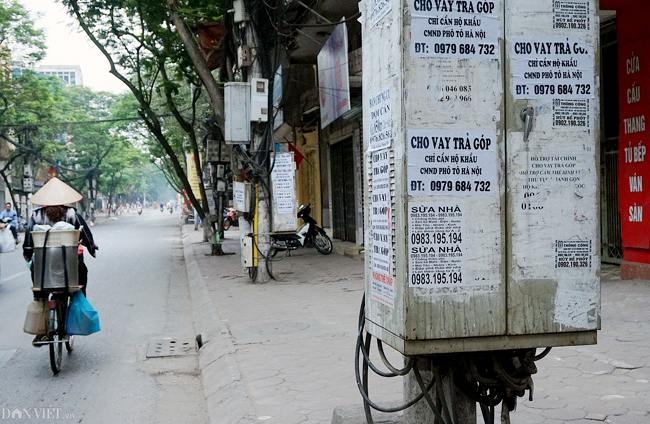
point(82, 319)
point(62, 225)
point(36, 319)
point(7, 241)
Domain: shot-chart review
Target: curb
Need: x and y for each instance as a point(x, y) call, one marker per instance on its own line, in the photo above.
point(224, 389)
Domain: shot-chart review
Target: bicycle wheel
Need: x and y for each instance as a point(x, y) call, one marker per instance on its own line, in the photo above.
point(69, 344)
point(322, 243)
point(56, 342)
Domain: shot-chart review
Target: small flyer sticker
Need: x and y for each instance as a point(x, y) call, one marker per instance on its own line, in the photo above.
point(571, 114)
point(379, 9)
point(573, 253)
point(571, 14)
point(380, 125)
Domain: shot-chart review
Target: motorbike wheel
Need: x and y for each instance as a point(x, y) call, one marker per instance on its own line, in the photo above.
point(322, 242)
point(226, 224)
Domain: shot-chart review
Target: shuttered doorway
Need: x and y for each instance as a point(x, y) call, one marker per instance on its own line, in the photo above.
point(344, 206)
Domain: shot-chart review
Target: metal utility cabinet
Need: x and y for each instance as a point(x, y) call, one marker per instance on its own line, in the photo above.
point(480, 128)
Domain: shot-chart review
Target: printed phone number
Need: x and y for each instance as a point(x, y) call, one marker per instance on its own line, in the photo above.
point(436, 238)
point(551, 89)
point(457, 186)
point(570, 25)
point(453, 48)
point(437, 278)
point(573, 264)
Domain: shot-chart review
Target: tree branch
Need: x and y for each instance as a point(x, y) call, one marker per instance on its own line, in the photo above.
point(199, 61)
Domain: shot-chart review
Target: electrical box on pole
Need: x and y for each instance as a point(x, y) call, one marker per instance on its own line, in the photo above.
point(237, 113)
point(259, 100)
point(481, 167)
point(239, 11)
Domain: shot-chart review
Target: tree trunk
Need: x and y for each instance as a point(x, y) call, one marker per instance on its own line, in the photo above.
point(148, 115)
point(199, 61)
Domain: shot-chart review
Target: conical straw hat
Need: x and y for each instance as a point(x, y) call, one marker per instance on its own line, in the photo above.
point(55, 192)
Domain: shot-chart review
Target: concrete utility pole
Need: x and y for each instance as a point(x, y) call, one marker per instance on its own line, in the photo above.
point(263, 203)
point(461, 407)
point(470, 248)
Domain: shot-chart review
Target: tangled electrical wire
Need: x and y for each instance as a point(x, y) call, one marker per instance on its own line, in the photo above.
point(488, 378)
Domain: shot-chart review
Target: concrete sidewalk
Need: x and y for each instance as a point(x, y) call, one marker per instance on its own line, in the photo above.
point(283, 352)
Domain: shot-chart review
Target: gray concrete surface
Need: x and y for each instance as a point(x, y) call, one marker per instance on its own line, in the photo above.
point(290, 343)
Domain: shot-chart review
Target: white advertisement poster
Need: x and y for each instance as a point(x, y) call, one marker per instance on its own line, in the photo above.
point(380, 230)
point(239, 196)
point(458, 29)
point(436, 244)
point(552, 67)
point(381, 122)
point(282, 177)
point(333, 76)
point(378, 9)
point(442, 162)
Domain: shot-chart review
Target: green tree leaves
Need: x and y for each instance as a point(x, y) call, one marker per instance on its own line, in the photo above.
point(18, 36)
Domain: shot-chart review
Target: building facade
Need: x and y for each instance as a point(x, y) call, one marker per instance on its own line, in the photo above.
point(69, 74)
point(625, 70)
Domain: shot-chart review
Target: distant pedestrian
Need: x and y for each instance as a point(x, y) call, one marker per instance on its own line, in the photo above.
point(10, 213)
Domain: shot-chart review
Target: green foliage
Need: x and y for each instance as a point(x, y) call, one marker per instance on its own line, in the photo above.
point(147, 55)
point(18, 34)
point(31, 98)
point(25, 96)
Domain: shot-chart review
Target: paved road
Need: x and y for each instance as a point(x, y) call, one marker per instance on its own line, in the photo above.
point(138, 284)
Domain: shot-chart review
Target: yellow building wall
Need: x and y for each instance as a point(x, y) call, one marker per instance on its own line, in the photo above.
point(308, 174)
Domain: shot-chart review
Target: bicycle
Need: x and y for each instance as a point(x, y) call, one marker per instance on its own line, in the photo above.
point(56, 335)
point(52, 284)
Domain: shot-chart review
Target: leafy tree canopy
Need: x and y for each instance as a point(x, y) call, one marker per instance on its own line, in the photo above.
point(18, 35)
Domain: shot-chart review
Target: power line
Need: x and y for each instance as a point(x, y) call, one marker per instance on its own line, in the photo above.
point(97, 121)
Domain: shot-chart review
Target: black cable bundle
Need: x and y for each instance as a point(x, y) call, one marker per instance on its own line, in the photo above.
point(488, 378)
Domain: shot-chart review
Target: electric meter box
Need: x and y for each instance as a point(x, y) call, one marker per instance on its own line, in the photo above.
point(481, 174)
point(247, 252)
point(239, 11)
point(259, 100)
point(237, 113)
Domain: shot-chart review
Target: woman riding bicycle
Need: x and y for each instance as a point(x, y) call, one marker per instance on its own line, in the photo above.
point(51, 200)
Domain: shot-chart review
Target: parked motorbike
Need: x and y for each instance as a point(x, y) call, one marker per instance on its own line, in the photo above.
point(309, 232)
point(230, 218)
